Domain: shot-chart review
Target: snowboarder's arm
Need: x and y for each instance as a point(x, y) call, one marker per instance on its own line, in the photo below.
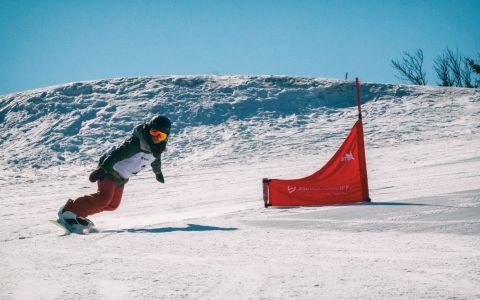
point(157, 169)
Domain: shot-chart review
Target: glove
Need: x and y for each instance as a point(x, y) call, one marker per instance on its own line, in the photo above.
point(160, 178)
point(96, 175)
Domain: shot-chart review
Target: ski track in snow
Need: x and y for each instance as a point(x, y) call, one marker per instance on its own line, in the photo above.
point(205, 234)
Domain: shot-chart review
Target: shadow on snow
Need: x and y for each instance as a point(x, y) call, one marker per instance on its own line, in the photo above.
point(393, 203)
point(190, 227)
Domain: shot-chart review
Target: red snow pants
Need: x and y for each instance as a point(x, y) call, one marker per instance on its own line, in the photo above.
point(107, 197)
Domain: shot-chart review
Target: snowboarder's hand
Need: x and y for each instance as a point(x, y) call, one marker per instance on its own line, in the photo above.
point(160, 177)
point(96, 175)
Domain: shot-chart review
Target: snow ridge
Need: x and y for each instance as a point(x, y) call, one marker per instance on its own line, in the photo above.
point(241, 116)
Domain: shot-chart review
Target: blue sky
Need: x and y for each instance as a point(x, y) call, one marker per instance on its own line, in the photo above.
point(44, 43)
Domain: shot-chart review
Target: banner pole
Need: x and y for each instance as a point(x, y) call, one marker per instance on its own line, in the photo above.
point(357, 85)
point(361, 148)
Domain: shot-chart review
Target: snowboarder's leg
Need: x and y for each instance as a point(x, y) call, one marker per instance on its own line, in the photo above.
point(94, 203)
point(116, 199)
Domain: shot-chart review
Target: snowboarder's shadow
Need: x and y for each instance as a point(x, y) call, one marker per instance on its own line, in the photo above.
point(190, 227)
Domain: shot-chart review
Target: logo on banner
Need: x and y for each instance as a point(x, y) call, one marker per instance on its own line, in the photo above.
point(348, 157)
point(291, 189)
point(336, 190)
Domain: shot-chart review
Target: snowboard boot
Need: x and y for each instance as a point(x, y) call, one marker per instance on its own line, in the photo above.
point(72, 222)
point(87, 223)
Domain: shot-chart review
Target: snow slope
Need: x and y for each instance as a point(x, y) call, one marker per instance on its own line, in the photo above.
point(205, 233)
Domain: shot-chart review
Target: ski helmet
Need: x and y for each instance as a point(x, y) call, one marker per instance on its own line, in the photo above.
point(160, 123)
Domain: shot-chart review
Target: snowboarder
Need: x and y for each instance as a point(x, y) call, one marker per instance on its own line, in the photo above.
point(115, 167)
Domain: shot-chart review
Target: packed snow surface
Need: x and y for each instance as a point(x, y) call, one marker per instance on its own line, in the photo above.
point(205, 234)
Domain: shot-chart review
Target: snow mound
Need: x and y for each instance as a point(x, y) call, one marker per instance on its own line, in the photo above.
point(220, 117)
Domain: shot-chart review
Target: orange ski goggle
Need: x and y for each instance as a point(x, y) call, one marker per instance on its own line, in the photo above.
point(158, 135)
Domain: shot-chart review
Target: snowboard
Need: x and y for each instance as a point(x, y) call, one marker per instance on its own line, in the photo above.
point(67, 231)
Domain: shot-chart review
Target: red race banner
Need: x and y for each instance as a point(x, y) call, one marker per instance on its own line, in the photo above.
point(342, 180)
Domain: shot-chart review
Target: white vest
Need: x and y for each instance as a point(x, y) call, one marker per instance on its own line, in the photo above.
point(134, 164)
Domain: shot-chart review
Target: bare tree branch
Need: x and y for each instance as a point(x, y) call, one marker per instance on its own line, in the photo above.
point(410, 68)
point(467, 75)
point(455, 70)
point(475, 68)
point(455, 61)
point(440, 65)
